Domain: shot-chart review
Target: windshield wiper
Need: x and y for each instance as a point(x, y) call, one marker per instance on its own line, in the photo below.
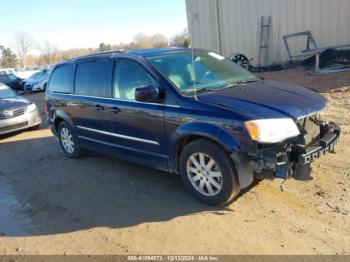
point(244, 82)
point(213, 89)
point(239, 83)
point(209, 89)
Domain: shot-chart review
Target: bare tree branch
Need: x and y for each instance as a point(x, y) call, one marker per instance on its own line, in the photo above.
point(24, 43)
point(48, 52)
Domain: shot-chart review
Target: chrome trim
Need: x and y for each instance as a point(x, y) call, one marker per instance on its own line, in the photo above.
point(123, 147)
point(115, 99)
point(119, 135)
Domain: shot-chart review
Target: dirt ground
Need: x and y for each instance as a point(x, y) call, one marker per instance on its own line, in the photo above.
point(100, 205)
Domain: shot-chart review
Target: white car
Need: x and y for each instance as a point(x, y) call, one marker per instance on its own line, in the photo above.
point(7, 71)
point(37, 82)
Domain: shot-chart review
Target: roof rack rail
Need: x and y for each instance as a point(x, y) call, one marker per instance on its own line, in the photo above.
point(95, 54)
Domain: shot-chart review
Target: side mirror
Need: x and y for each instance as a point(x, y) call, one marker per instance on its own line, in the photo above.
point(147, 94)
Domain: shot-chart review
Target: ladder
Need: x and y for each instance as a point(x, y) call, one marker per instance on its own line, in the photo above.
point(266, 23)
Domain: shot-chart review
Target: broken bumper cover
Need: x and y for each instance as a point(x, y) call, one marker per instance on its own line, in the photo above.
point(287, 159)
point(331, 135)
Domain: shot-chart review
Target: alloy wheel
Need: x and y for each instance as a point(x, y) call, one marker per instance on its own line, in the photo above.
point(67, 140)
point(204, 174)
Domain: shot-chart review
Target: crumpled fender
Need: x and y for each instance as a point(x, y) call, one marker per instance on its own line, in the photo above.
point(222, 137)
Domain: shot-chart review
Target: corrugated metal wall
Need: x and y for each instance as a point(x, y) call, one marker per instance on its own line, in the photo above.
point(227, 26)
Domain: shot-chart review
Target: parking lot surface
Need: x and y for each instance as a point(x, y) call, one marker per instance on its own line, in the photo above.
point(98, 204)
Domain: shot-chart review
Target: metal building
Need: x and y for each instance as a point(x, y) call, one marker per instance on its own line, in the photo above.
point(228, 26)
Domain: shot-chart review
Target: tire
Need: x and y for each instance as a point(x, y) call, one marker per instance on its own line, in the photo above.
point(68, 140)
point(224, 188)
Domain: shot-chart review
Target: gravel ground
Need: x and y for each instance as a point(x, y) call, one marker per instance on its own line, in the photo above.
point(321, 83)
point(101, 205)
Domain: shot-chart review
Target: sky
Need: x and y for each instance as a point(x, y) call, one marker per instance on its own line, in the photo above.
point(86, 23)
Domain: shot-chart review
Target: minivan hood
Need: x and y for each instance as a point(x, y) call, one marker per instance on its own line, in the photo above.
point(269, 99)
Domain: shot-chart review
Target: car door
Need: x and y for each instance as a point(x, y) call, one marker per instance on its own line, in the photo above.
point(136, 128)
point(7, 81)
point(87, 108)
point(14, 82)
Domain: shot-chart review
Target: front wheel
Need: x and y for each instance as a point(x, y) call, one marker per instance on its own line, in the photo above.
point(208, 173)
point(68, 140)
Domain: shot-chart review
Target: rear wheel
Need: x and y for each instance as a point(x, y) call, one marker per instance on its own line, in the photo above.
point(68, 140)
point(208, 173)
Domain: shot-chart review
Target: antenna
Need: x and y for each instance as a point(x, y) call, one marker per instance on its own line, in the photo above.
point(193, 62)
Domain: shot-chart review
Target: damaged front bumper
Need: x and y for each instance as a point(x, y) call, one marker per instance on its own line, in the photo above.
point(291, 157)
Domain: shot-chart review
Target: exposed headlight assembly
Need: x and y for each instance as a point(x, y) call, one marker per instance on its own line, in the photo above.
point(272, 130)
point(32, 107)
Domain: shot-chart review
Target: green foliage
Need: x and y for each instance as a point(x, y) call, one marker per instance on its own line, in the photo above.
point(7, 59)
point(105, 48)
point(181, 40)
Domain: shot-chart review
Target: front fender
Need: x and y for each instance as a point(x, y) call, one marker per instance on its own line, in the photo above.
point(206, 130)
point(222, 137)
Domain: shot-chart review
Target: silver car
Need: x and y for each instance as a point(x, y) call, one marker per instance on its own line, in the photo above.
point(37, 82)
point(16, 112)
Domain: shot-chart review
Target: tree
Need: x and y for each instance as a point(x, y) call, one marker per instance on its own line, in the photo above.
point(141, 41)
point(159, 41)
point(8, 58)
point(48, 53)
point(24, 43)
point(181, 40)
point(105, 48)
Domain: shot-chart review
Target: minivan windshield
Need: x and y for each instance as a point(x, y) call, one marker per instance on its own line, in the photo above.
point(6, 92)
point(207, 71)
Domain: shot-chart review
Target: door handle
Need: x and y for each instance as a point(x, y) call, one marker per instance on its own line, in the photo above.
point(99, 108)
point(114, 110)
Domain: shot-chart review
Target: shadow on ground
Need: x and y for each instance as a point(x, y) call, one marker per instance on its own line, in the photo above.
point(42, 192)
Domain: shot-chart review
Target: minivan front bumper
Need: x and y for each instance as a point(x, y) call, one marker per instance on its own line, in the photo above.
point(288, 158)
point(329, 139)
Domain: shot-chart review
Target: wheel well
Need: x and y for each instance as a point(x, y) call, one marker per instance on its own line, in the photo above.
point(58, 120)
point(185, 141)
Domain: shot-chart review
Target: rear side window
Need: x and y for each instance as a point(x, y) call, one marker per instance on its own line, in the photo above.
point(62, 79)
point(94, 78)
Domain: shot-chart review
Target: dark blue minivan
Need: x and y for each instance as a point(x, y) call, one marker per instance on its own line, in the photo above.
point(192, 112)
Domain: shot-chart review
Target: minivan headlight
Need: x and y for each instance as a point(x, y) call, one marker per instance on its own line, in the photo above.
point(31, 107)
point(272, 130)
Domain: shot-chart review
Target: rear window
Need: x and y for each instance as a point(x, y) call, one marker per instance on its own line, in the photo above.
point(94, 78)
point(62, 79)
point(3, 78)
